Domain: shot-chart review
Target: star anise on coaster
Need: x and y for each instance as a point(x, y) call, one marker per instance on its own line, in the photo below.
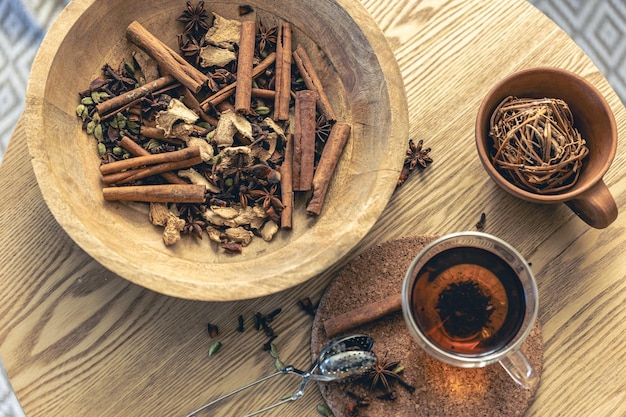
point(416, 157)
point(384, 372)
point(194, 18)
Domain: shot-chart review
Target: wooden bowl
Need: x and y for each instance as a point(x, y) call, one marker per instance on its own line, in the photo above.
point(364, 85)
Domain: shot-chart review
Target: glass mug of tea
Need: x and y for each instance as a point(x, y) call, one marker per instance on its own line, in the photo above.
point(470, 300)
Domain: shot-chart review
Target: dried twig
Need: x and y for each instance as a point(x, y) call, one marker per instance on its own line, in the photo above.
point(536, 146)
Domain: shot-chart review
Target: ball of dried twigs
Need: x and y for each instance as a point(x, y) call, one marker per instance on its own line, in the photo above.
point(535, 144)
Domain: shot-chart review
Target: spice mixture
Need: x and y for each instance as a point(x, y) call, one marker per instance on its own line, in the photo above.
point(219, 135)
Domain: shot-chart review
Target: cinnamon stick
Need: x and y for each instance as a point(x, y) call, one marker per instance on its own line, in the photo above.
point(362, 315)
point(166, 193)
point(180, 155)
point(137, 150)
point(283, 73)
point(129, 97)
point(304, 140)
point(229, 90)
point(140, 173)
point(169, 61)
point(312, 82)
point(245, 62)
point(286, 186)
point(339, 134)
point(263, 93)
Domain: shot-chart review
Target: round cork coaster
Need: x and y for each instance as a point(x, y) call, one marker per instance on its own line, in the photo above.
point(439, 389)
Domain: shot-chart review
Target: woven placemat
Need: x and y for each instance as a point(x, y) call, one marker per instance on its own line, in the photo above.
point(440, 390)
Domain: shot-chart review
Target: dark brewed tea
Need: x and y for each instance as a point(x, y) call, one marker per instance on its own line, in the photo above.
point(468, 301)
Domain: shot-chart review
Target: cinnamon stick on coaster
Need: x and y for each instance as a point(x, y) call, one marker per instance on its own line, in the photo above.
point(283, 73)
point(312, 82)
point(167, 193)
point(304, 140)
point(286, 185)
point(362, 315)
point(333, 148)
point(166, 58)
point(245, 62)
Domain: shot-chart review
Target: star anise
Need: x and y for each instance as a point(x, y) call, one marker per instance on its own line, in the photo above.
point(195, 227)
point(267, 37)
point(416, 157)
point(189, 212)
point(383, 372)
point(220, 78)
point(118, 81)
point(190, 48)
point(267, 198)
point(194, 18)
point(322, 128)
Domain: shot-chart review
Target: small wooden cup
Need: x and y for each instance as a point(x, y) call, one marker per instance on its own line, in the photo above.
point(589, 198)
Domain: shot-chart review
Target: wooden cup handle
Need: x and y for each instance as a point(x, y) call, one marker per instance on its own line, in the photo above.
point(596, 206)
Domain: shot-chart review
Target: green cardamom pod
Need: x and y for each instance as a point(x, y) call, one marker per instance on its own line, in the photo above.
point(152, 144)
point(95, 97)
point(280, 366)
point(273, 351)
point(103, 95)
point(262, 110)
point(90, 127)
point(133, 127)
point(210, 135)
point(87, 101)
point(102, 149)
point(118, 151)
point(80, 109)
point(97, 132)
point(215, 347)
point(121, 120)
point(324, 411)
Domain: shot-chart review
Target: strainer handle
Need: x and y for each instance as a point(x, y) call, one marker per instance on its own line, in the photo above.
point(223, 397)
point(269, 407)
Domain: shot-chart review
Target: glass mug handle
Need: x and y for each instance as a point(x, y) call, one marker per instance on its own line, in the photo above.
point(519, 368)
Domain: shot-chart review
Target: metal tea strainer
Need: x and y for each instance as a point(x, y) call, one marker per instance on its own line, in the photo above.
point(339, 359)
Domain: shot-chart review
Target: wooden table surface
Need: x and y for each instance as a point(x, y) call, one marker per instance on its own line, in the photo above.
point(78, 340)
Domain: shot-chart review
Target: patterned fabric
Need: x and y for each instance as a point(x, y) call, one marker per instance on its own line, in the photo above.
point(599, 28)
point(9, 407)
point(22, 26)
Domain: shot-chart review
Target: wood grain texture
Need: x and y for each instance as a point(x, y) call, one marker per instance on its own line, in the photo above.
point(78, 340)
